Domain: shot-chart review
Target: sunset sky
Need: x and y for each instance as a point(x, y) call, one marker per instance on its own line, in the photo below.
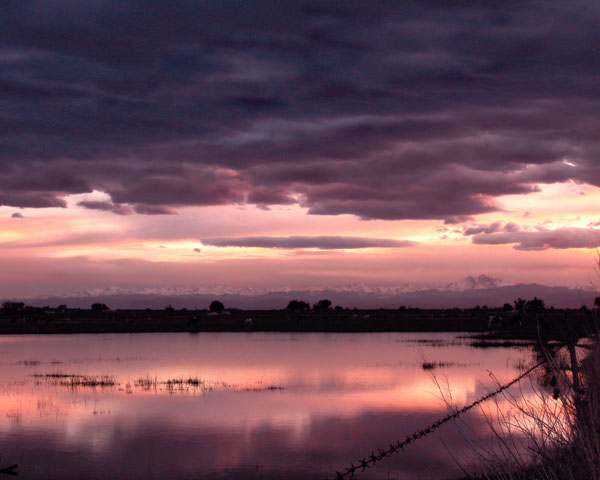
point(272, 145)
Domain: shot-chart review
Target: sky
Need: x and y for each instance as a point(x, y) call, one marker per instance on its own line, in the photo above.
point(267, 145)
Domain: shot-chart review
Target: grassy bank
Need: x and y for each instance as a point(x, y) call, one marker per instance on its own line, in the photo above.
point(47, 321)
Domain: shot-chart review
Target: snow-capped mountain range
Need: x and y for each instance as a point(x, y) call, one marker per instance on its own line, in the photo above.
point(467, 292)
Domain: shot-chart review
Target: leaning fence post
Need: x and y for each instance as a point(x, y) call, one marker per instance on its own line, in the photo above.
point(570, 342)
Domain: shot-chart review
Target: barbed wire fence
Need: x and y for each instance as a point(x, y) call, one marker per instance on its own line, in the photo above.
point(400, 445)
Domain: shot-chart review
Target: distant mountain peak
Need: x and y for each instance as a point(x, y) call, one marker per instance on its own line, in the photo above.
point(474, 283)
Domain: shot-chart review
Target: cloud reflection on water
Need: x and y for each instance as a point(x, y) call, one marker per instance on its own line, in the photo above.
point(342, 396)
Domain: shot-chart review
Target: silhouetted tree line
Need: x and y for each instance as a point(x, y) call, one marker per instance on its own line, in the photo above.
point(322, 305)
point(216, 306)
point(99, 307)
point(297, 306)
point(9, 306)
point(535, 305)
point(300, 306)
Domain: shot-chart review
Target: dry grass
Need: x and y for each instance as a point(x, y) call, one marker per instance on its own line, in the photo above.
point(550, 434)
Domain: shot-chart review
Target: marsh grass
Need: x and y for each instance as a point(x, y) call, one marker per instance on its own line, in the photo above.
point(89, 381)
point(502, 344)
point(146, 383)
point(182, 384)
point(262, 389)
point(433, 365)
point(179, 384)
point(185, 384)
point(194, 384)
point(28, 363)
point(74, 381)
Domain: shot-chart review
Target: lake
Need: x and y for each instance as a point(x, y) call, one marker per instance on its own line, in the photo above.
point(241, 405)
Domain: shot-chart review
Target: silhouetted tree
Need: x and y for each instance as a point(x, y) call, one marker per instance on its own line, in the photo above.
point(216, 306)
point(520, 305)
point(169, 308)
point(99, 307)
point(338, 308)
point(297, 306)
point(322, 305)
point(12, 306)
point(536, 305)
point(597, 302)
point(507, 307)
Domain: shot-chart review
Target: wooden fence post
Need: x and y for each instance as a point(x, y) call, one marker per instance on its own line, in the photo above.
point(570, 342)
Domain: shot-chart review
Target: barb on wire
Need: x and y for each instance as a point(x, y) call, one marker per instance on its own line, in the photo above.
point(12, 470)
point(370, 460)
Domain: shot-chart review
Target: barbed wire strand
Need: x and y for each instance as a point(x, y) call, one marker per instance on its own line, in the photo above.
point(399, 446)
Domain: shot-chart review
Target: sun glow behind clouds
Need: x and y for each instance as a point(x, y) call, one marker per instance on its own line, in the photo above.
point(559, 202)
point(171, 242)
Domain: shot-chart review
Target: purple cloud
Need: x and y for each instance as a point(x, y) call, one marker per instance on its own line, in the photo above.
point(105, 206)
point(315, 105)
point(153, 210)
point(322, 243)
point(31, 200)
point(17, 215)
point(543, 239)
point(511, 227)
point(493, 227)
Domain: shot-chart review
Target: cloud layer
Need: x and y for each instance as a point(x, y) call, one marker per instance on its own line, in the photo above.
point(322, 243)
point(543, 239)
point(425, 110)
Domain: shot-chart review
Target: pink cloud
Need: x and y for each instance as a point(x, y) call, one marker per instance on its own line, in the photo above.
point(543, 239)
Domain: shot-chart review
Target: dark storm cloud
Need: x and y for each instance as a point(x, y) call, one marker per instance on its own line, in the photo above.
point(543, 239)
point(31, 200)
point(17, 215)
point(105, 206)
point(377, 109)
point(322, 243)
point(152, 210)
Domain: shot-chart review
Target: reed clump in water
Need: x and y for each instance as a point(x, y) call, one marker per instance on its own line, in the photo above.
point(178, 384)
point(74, 381)
point(560, 432)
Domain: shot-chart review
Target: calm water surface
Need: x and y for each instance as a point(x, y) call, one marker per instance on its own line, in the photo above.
point(233, 406)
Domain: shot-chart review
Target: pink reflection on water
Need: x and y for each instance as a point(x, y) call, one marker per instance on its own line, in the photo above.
point(300, 403)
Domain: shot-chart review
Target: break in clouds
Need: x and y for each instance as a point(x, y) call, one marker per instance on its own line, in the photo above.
point(382, 110)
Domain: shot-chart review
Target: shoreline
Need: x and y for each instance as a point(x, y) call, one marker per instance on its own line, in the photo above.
point(473, 321)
